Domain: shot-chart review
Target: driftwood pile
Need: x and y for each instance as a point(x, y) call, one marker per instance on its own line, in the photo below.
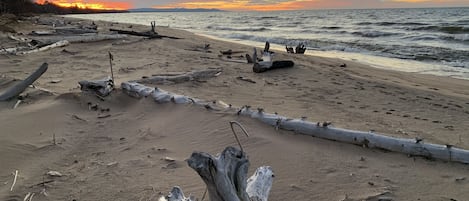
point(58, 37)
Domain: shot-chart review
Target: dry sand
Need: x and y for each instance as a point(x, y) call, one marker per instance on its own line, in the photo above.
point(120, 157)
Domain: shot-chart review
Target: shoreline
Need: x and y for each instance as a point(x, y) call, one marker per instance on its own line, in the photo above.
point(369, 59)
point(128, 146)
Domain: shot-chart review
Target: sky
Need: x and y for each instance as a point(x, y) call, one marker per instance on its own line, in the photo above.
point(260, 5)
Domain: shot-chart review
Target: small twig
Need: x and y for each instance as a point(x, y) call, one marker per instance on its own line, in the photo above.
point(43, 183)
point(111, 58)
point(79, 118)
point(236, 136)
point(14, 180)
point(17, 104)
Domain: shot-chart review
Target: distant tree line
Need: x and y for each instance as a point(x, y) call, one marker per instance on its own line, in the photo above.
point(19, 7)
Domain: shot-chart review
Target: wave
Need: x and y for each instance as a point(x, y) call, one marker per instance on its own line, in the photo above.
point(392, 23)
point(373, 34)
point(237, 29)
point(444, 29)
point(331, 27)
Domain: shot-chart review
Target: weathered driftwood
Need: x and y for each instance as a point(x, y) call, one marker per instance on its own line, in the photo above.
point(74, 30)
point(148, 34)
point(259, 184)
point(13, 50)
point(183, 77)
point(83, 38)
point(299, 49)
point(176, 194)
point(15, 90)
point(101, 87)
point(61, 43)
point(366, 139)
point(267, 63)
point(226, 176)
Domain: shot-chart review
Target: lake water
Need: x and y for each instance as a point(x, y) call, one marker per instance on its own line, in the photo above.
point(430, 40)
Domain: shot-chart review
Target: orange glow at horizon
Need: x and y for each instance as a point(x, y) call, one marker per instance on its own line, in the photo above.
point(97, 5)
point(243, 5)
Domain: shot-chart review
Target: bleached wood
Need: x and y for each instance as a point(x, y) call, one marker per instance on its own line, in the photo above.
point(260, 183)
point(366, 139)
point(82, 38)
point(61, 43)
point(176, 194)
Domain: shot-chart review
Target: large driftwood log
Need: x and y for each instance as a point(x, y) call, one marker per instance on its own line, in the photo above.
point(267, 63)
point(225, 176)
point(74, 30)
point(101, 87)
point(412, 147)
point(148, 34)
point(181, 77)
point(83, 38)
point(20, 87)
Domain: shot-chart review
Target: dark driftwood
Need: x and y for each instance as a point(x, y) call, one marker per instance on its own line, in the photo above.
point(299, 49)
point(20, 87)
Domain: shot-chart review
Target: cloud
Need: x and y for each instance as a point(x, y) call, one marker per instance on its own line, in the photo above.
point(93, 4)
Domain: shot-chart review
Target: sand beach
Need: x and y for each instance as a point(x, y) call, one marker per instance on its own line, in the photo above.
point(121, 154)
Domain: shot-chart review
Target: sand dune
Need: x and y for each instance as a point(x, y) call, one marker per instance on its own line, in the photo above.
point(120, 157)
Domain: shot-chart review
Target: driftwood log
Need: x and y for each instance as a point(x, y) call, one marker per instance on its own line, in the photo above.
point(101, 87)
point(15, 90)
point(181, 77)
point(413, 147)
point(61, 43)
point(266, 62)
point(82, 38)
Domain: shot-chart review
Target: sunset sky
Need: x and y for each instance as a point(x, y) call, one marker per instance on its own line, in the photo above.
point(259, 4)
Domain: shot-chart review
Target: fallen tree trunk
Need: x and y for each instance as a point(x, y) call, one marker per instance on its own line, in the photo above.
point(61, 43)
point(182, 77)
point(148, 34)
point(20, 87)
point(74, 30)
point(414, 147)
